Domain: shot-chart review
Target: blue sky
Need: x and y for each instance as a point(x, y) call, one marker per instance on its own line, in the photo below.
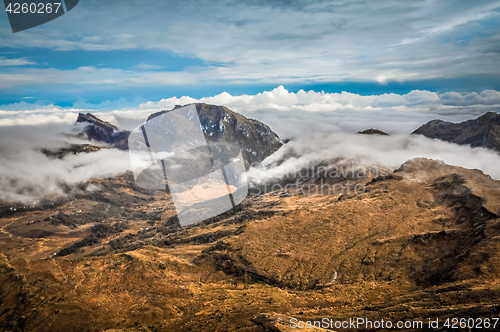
point(116, 53)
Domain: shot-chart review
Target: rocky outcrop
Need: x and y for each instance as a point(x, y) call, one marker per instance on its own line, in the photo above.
point(103, 131)
point(256, 140)
point(372, 131)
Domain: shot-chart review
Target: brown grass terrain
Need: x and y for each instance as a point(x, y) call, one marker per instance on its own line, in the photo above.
point(421, 243)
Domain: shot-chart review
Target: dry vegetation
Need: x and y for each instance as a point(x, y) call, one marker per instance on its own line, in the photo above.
point(422, 242)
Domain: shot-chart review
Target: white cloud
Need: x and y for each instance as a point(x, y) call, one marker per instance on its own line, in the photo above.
point(304, 113)
point(371, 151)
point(15, 62)
point(93, 39)
point(147, 66)
point(26, 174)
point(289, 114)
point(96, 78)
point(281, 42)
point(36, 115)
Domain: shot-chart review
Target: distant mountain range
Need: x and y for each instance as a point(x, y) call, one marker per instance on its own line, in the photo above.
point(257, 140)
point(481, 132)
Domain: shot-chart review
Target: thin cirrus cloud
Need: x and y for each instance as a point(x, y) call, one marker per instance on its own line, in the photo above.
point(147, 66)
point(92, 77)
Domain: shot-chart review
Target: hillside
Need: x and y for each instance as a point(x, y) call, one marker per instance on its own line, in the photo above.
point(413, 243)
point(481, 132)
point(421, 242)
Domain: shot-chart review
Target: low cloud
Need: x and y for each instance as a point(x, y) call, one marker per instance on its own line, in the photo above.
point(289, 114)
point(320, 124)
point(309, 112)
point(371, 151)
point(27, 175)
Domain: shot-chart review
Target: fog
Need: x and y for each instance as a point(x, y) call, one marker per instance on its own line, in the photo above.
point(371, 151)
point(321, 126)
point(27, 174)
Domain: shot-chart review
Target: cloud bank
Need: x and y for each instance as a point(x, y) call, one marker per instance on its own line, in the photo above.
point(371, 151)
point(319, 123)
point(289, 114)
point(27, 175)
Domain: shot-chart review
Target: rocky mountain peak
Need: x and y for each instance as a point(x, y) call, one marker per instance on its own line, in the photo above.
point(92, 119)
point(256, 140)
point(103, 131)
point(372, 131)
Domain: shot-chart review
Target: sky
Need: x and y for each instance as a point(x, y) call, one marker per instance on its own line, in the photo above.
point(114, 54)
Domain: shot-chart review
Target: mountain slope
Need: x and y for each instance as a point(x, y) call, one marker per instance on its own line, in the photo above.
point(103, 131)
point(257, 140)
point(424, 231)
point(481, 132)
point(420, 243)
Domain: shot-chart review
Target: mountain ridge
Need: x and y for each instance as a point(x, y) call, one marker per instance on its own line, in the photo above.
point(483, 131)
point(102, 131)
point(256, 140)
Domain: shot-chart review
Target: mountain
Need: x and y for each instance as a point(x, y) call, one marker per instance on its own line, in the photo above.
point(421, 242)
point(481, 132)
point(409, 244)
point(257, 140)
point(103, 131)
point(372, 131)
